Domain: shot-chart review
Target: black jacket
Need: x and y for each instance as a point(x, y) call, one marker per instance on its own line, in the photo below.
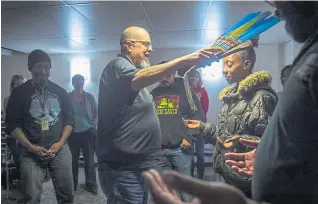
point(286, 165)
point(246, 111)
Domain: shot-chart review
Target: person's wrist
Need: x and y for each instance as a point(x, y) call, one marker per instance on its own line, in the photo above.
point(61, 142)
point(31, 147)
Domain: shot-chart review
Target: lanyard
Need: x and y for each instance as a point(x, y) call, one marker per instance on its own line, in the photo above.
point(42, 102)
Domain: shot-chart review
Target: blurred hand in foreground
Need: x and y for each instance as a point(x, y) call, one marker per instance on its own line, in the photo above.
point(164, 188)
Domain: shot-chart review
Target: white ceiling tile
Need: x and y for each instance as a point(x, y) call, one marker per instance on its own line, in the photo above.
point(85, 26)
point(181, 39)
point(176, 15)
point(44, 22)
point(19, 45)
point(82, 2)
point(28, 4)
point(113, 17)
point(106, 43)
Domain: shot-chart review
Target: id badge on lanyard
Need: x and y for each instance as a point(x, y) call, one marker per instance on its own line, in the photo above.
point(45, 123)
point(44, 118)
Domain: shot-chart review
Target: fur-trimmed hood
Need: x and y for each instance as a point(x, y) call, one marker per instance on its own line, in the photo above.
point(256, 80)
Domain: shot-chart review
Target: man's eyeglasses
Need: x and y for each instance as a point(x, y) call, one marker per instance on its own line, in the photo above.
point(147, 44)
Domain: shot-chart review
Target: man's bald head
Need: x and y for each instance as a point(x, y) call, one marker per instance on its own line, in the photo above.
point(135, 43)
point(134, 34)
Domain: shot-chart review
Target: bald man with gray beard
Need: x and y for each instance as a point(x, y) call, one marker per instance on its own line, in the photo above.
point(129, 138)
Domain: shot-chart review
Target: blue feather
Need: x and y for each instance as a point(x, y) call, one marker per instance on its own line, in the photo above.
point(245, 19)
point(262, 19)
point(260, 29)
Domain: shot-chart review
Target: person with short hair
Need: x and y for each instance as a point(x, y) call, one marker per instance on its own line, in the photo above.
point(284, 74)
point(247, 108)
point(84, 132)
point(128, 135)
point(172, 107)
point(41, 117)
point(286, 167)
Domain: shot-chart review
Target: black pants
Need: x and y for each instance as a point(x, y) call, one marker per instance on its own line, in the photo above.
point(85, 141)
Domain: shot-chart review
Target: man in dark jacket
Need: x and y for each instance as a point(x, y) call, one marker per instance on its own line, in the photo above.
point(247, 108)
point(284, 74)
point(286, 158)
point(172, 106)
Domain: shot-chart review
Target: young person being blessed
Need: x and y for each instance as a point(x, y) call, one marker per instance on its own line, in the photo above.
point(246, 110)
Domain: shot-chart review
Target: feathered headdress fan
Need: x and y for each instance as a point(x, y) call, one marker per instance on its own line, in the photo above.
point(243, 34)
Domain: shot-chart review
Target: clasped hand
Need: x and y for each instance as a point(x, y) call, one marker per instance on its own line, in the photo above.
point(42, 152)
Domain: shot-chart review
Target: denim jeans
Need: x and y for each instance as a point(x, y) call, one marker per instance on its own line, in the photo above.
point(33, 171)
point(122, 187)
point(177, 160)
point(199, 149)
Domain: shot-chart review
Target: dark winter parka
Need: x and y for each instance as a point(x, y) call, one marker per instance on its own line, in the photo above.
point(246, 110)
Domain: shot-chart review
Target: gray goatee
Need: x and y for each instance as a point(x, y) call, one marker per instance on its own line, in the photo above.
point(144, 64)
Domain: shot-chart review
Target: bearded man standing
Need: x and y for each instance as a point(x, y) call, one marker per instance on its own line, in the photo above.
point(129, 138)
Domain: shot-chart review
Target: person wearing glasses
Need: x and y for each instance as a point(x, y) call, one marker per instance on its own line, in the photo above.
point(41, 117)
point(128, 135)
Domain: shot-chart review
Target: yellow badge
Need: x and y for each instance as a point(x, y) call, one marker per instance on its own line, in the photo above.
point(45, 124)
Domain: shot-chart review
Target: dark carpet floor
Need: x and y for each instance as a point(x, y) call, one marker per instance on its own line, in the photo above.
point(82, 196)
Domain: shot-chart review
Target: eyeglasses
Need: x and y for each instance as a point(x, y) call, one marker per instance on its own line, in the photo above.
point(147, 44)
